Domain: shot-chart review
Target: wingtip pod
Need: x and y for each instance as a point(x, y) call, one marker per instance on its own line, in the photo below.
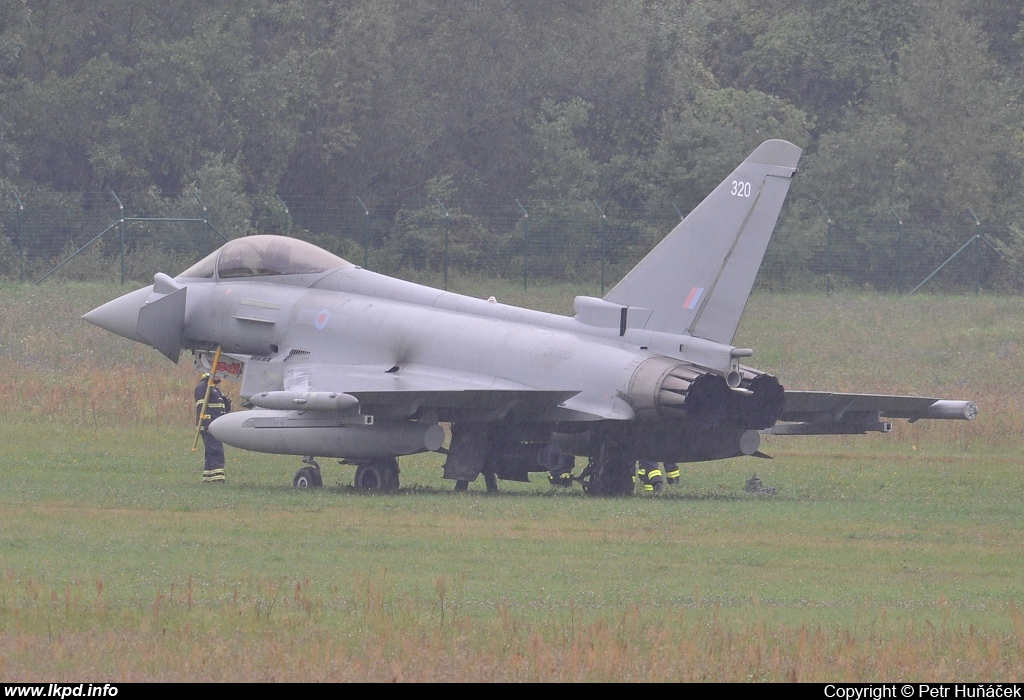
point(951, 410)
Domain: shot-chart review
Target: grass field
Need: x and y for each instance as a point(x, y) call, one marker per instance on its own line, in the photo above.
point(883, 557)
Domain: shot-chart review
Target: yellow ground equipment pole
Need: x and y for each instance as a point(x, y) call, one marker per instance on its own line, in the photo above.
point(206, 398)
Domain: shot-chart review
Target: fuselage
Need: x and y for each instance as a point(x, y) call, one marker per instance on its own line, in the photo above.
point(309, 325)
point(407, 328)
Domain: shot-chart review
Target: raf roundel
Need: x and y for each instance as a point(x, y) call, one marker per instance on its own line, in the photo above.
point(320, 321)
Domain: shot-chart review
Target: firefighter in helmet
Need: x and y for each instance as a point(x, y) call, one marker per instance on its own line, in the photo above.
point(216, 406)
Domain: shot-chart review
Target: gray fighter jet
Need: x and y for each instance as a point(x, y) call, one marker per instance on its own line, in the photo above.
point(346, 363)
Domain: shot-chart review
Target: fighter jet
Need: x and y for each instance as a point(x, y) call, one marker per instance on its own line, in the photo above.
point(341, 362)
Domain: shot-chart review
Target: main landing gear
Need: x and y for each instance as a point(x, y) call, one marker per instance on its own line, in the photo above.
point(609, 472)
point(379, 474)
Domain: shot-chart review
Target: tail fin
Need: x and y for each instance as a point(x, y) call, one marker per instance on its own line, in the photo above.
point(698, 279)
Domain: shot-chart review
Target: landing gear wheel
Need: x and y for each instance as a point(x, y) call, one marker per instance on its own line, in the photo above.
point(609, 473)
point(377, 475)
point(307, 478)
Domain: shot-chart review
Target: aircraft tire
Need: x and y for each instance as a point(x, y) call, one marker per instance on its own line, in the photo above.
point(307, 478)
point(377, 475)
point(609, 473)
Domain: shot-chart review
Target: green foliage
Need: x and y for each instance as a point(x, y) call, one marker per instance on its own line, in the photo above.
point(564, 170)
point(707, 137)
point(822, 58)
point(956, 160)
point(436, 234)
point(908, 107)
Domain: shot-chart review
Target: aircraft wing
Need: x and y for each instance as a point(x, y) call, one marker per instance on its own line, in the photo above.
point(830, 413)
point(411, 388)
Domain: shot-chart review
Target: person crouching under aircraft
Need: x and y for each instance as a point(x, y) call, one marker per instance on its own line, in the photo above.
point(216, 406)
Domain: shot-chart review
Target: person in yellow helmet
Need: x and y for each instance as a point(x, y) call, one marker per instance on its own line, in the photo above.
point(216, 406)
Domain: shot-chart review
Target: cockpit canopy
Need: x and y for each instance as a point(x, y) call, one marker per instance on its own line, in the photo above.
point(263, 256)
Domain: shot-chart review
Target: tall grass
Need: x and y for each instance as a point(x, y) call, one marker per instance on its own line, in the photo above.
point(291, 631)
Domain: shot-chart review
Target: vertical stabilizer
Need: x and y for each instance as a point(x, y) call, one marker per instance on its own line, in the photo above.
point(698, 279)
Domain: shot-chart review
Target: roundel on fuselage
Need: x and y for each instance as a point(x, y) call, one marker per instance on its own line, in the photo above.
point(321, 319)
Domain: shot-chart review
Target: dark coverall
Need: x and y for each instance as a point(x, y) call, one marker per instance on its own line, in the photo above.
point(649, 474)
point(217, 406)
point(654, 478)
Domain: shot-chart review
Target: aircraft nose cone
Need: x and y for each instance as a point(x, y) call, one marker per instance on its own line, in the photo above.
point(121, 316)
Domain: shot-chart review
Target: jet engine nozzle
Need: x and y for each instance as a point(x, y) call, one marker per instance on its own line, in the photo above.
point(708, 400)
point(762, 408)
point(665, 388)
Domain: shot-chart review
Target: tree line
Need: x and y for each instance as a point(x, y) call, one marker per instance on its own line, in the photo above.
point(296, 114)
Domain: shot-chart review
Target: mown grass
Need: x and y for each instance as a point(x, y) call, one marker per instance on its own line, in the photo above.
point(882, 557)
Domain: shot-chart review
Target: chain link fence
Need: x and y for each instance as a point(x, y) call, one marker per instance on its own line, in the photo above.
point(130, 236)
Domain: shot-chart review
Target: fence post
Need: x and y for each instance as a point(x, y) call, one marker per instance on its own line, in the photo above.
point(21, 236)
point(977, 254)
point(206, 241)
point(899, 252)
point(366, 234)
point(287, 215)
point(445, 241)
point(603, 218)
point(526, 238)
point(828, 251)
point(120, 207)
